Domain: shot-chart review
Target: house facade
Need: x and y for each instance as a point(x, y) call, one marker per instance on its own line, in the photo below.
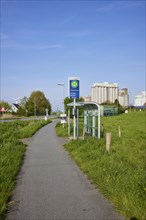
point(14, 107)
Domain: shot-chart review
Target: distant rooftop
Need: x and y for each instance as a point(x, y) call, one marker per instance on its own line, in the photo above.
point(16, 105)
point(106, 84)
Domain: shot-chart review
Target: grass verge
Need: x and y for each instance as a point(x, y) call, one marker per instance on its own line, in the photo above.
point(11, 154)
point(121, 174)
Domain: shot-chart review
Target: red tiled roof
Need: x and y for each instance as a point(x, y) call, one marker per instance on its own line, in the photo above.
point(3, 109)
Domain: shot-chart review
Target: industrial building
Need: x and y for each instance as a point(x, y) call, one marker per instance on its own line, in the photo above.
point(140, 100)
point(123, 97)
point(103, 92)
point(108, 92)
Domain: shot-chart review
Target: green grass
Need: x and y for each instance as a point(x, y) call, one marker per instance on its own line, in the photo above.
point(11, 154)
point(120, 174)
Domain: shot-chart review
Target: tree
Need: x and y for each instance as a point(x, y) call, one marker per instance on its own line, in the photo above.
point(120, 107)
point(24, 102)
point(38, 103)
point(5, 105)
point(108, 103)
point(117, 104)
point(67, 100)
point(22, 109)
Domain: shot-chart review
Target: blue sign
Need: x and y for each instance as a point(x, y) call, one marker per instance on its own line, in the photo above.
point(74, 88)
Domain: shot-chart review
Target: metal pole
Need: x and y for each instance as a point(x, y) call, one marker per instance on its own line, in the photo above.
point(98, 122)
point(68, 122)
point(93, 124)
point(63, 101)
point(77, 122)
point(74, 119)
point(63, 85)
point(63, 98)
point(85, 121)
point(34, 106)
point(89, 122)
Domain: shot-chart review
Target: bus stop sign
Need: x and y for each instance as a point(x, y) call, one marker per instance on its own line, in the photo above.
point(74, 88)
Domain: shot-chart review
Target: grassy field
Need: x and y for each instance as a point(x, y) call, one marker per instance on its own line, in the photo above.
point(11, 154)
point(121, 174)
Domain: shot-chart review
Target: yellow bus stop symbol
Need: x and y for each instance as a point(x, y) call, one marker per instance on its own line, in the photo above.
point(74, 84)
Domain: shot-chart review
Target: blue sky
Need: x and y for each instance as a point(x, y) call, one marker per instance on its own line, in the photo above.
point(45, 42)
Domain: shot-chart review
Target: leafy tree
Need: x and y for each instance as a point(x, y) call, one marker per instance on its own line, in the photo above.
point(67, 100)
point(22, 109)
point(120, 107)
point(24, 102)
point(38, 103)
point(117, 103)
point(108, 103)
point(4, 104)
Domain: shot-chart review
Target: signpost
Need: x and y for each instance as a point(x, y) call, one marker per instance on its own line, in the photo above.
point(74, 88)
point(74, 93)
point(46, 117)
point(63, 118)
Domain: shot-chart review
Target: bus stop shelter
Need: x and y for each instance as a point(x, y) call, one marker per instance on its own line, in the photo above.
point(91, 111)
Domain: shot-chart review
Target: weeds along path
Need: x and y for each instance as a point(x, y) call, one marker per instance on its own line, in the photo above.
point(51, 186)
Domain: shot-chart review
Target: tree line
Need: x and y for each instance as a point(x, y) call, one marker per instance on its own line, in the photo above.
point(36, 104)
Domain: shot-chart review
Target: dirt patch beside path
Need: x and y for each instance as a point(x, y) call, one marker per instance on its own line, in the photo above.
point(26, 141)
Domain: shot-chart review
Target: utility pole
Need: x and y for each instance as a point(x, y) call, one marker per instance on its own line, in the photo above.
point(63, 86)
point(35, 106)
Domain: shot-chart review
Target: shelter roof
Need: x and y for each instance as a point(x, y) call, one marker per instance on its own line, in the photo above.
point(86, 105)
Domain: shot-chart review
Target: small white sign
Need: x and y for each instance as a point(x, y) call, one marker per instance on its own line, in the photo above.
point(63, 115)
point(63, 118)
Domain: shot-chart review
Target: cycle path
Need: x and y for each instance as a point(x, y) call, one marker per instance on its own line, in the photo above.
point(50, 185)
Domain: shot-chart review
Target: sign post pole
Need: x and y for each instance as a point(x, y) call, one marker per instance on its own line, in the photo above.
point(68, 122)
point(74, 94)
point(74, 112)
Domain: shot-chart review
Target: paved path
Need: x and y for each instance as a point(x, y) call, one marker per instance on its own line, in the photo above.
point(51, 186)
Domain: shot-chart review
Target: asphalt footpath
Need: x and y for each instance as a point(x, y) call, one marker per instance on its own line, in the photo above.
point(50, 186)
